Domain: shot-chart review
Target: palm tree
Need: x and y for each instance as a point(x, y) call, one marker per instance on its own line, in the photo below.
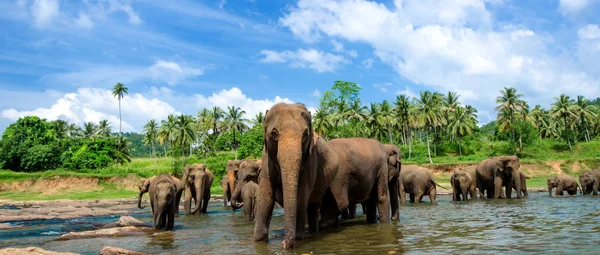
point(512, 103)
point(258, 119)
point(538, 117)
point(460, 124)
point(119, 90)
point(234, 121)
point(167, 132)
point(74, 130)
point(374, 121)
point(387, 117)
point(89, 130)
point(104, 129)
point(429, 115)
point(586, 112)
point(216, 114)
point(121, 153)
point(355, 112)
point(150, 135)
point(60, 128)
point(564, 107)
point(184, 133)
point(451, 101)
point(322, 122)
point(402, 107)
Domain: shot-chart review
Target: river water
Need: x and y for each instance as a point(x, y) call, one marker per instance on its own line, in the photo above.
point(537, 224)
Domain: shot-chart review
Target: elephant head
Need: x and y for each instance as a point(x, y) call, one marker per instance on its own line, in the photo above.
point(196, 177)
point(232, 168)
point(143, 187)
point(249, 171)
point(552, 183)
point(588, 181)
point(289, 142)
point(163, 196)
point(510, 166)
point(461, 179)
point(394, 161)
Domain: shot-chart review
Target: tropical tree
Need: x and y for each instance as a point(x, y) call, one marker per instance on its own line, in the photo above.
point(258, 119)
point(402, 108)
point(234, 121)
point(151, 130)
point(586, 112)
point(167, 133)
point(216, 114)
point(184, 133)
point(322, 122)
point(510, 104)
point(428, 110)
point(119, 90)
point(460, 124)
point(564, 107)
point(121, 152)
point(60, 129)
point(387, 118)
point(89, 130)
point(374, 121)
point(104, 129)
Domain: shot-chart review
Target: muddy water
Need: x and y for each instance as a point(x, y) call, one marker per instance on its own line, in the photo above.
point(533, 225)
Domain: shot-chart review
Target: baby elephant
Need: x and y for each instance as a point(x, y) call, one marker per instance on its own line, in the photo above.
point(417, 182)
point(462, 183)
point(162, 198)
point(563, 182)
point(249, 192)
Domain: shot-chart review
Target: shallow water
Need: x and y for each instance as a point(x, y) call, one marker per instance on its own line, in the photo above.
point(532, 225)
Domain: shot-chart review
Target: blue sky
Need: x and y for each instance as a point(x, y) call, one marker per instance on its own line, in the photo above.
point(59, 59)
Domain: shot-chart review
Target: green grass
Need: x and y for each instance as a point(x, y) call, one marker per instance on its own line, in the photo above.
point(105, 191)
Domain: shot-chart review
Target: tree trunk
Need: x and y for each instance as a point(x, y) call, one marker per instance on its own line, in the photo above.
point(172, 156)
point(234, 146)
point(434, 143)
point(567, 133)
point(182, 155)
point(428, 150)
point(390, 132)
point(409, 142)
point(459, 149)
point(154, 153)
point(120, 120)
point(521, 142)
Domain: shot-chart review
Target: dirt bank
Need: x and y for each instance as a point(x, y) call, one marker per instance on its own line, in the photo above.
point(53, 185)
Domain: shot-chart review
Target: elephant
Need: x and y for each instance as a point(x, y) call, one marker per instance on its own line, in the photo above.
point(463, 183)
point(197, 181)
point(144, 186)
point(523, 184)
point(394, 164)
point(249, 192)
point(563, 182)
point(162, 193)
point(231, 170)
point(495, 172)
point(226, 190)
point(590, 182)
point(248, 172)
point(297, 168)
point(417, 181)
point(362, 177)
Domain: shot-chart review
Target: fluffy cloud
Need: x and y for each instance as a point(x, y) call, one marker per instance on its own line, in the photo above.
point(383, 86)
point(447, 45)
point(44, 12)
point(589, 32)
point(367, 63)
point(84, 21)
point(408, 92)
point(235, 97)
point(573, 6)
point(311, 58)
point(337, 46)
point(172, 72)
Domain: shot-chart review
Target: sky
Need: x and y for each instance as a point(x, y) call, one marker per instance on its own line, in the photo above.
point(59, 59)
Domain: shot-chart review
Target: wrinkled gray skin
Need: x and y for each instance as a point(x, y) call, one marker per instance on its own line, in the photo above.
point(463, 184)
point(144, 186)
point(197, 182)
point(417, 182)
point(249, 192)
point(162, 199)
point(590, 182)
point(562, 182)
point(297, 168)
point(495, 172)
point(249, 171)
point(226, 190)
point(232, 168)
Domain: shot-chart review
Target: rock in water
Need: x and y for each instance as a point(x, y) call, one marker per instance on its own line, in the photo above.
point(127, 221)
point(32, 251)
point(107, 250)
point(109, 232)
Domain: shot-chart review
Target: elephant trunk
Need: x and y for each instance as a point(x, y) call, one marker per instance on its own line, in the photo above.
point(235, 197)
point(549, 190)
point(517, 178)
point(140, 200)
point(464, 188)
point(231, 180)
point(198, 185)
point(289, 158)
point(157, 214)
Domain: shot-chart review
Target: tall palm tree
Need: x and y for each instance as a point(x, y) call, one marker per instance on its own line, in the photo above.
point(374, 121)
point(586, 112)
point(119, 90)
point(387, 117)
point(429, 115)
point(322, 122)
point(60, 128)
point(258, 119)
point(89, 130)
point(511, 101)
point(355, 112)
point(460, 124)
point(564, 107)
point(451, 101)
point(121, 153)
point(74, 130)
point(104, 129)
point(537, 115)
point(216, 114)
point(151, 130)
point(184, 133)
point(234, 121)
point(402, 107)
point(167, 133)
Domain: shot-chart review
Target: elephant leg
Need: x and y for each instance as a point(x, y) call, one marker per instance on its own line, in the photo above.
point(171, 216)
point(301, 210)
point(163, 219)
point(247, 209)
point(419, 196)
point(509, 189)
point(473, 193)
point(265, 204)
point(433, 194)
point(412, 197)
point(481, 189)
point(313, 217)
point(371, 211)
point(455, 194)
point(187, 204)
point(572, 191)
point(559, 190)
point(346, 213)
point(206, 199)
point(393, 200)
point(402, 194)
point(328, 211)
point(383, 196)
point(352, 211)
point(497, 187)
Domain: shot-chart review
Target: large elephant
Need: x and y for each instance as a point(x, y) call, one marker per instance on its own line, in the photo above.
point(249, 192)
point(562, 182)
point(495, 172)
point(144, 186)
point(417, 182)
point(249, 171)
point(226, 190)
point(362, 177)
point(231, 169)
point(197, 181)
point(463, 184)
point(590, 182)
point(298, 167)
point(162, 199)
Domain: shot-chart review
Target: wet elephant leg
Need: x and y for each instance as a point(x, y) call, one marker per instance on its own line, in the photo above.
point(371, 205)
point(497, 186)
point(302, 210)
point(412, 197)
point(383, 196)
point(402, 194)
point(352, 211)
point(433, 194)
point(313, 217)
point(264, 212)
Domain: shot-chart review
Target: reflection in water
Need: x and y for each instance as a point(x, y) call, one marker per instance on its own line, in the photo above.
point(538, 224)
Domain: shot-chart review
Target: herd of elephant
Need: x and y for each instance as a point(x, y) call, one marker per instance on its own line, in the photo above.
point(317, 181)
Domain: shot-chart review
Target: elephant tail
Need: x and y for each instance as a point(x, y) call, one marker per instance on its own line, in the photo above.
point(580, 188)
point(432, 181)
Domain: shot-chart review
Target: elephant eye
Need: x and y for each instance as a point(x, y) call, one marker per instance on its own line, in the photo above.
point(274, 134)
point(305, 135)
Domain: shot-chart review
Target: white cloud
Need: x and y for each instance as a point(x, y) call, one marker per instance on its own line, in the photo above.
point(367, 63)
point(221, 3)
point(171, 72)
point(337, 46)
point(383, 86)
point(235, 97)
point(352, 53)
point(311, 58)
point(44, 12)
point(316, 93)
point(448, 45)
point(589, 32)
point(572, 6)
point(408, 92)
point(84, 21)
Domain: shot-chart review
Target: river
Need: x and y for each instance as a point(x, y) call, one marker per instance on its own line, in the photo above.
point(537, 224)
